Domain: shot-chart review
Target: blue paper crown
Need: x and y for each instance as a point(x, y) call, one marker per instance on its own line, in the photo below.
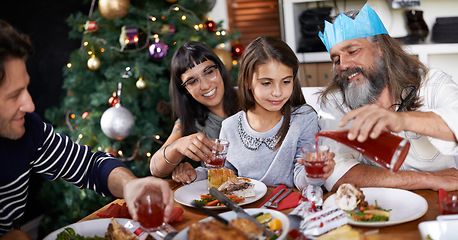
point(367, 23)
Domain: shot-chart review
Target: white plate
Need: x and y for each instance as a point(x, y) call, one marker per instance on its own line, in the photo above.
point(96, 227)
point(405, 205)
point(186, 194)
point(183, 235)
point(439, 229)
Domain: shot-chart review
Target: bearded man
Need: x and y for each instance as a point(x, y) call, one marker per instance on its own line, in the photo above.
point(379, 87)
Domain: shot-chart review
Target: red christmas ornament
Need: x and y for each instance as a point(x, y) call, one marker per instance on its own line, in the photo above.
point(210, 26)
point(91, 26)
point(113, 100)
point(236, 51)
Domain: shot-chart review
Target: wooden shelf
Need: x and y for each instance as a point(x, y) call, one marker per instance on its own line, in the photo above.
point(421, 50)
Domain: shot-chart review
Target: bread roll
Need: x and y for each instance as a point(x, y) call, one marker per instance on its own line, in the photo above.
point(218, 176)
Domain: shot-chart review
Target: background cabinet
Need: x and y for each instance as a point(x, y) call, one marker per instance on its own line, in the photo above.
point(315, 74)
point(442, 56)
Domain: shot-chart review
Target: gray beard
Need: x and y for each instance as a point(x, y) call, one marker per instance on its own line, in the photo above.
point(358, 94)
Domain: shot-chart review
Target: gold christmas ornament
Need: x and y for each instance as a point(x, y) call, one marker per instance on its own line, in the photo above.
point(93, 63)
point(140, 83)
point(225, 57)
point(110, 9)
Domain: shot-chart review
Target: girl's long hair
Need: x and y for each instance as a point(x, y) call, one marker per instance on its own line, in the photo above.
point(184, 106)
point(260, 51)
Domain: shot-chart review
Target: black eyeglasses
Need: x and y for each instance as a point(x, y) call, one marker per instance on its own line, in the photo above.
point(406, 95)
point(193, 83)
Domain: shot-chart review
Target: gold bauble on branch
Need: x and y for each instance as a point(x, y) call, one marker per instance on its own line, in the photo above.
point(93, 63)
point(110, 9)
point(225, 57)
point(141, 84)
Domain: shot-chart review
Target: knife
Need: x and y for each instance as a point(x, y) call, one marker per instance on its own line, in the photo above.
point(239, 211)
point(210, 212)
point(283, 196)
point(269, 202)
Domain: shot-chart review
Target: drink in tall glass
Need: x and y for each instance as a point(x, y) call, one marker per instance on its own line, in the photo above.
point(388, 150)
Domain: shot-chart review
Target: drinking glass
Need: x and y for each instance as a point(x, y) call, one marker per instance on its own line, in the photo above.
point(388, 150)
point(315, 159)
point(450, 204)
point(150, 210)
point(219, 152)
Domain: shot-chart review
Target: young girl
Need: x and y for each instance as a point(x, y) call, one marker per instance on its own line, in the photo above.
point(202, 97)
point(275, 122)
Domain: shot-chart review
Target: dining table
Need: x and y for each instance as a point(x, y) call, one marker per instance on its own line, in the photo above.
point(405, 231)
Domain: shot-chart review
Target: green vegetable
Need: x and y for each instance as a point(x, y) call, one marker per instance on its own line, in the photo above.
point(375, 218)
point(257, 214)
point(273, 237)
point(69, 234)
point(204, 201)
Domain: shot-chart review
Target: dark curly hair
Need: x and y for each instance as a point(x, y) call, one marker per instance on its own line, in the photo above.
point(13, 44)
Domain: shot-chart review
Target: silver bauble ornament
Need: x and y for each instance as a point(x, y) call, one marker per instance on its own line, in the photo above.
point(116, 122)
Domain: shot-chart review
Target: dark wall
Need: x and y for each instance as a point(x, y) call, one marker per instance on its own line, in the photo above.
point(45, 22)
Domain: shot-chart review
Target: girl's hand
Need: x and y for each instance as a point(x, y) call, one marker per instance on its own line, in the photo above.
point(184, 173)
point(328, 169)
point(196, 147)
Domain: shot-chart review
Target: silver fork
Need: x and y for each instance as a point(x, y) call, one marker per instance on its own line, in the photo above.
point(275, 203)
point(269, 202)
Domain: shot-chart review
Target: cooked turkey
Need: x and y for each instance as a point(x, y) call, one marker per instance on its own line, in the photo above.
point(349, 197)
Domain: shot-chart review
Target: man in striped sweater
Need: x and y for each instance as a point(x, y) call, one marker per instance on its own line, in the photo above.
point(28, 145)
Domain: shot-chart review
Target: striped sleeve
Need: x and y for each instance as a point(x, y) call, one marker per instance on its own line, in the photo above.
point(60, 157)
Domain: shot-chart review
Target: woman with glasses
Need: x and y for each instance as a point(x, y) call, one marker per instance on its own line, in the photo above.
point(202, 97)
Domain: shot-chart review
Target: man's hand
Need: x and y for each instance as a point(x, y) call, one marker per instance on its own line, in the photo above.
point(135, 188)
point(446, 179)
point(371, 120)
point(184, 173)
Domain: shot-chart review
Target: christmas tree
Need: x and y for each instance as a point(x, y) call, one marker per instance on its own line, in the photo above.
point(117, 84)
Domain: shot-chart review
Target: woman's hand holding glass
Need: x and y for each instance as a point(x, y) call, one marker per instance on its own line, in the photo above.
point(195, 146)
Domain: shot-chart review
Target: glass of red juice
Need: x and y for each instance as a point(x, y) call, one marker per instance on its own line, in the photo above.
point(315, 159)
point(388, 150)
point(219, 154)
point(150, 210)
point(450, 205)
